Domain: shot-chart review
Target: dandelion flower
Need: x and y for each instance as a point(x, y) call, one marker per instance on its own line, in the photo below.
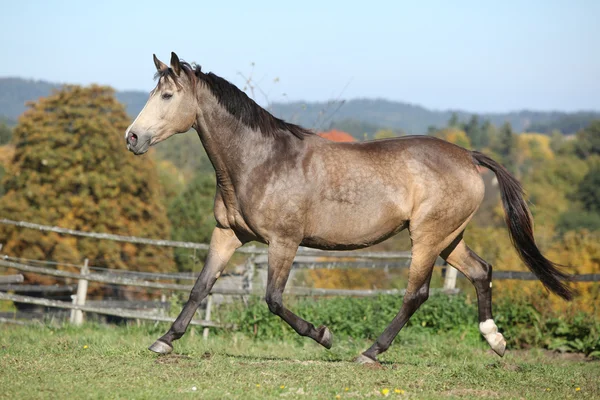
point(282, 387)
point(85, 347)
point(258, 385)
point(346, 389)
point(399, 391)
point(577, 389)
point(385, 392)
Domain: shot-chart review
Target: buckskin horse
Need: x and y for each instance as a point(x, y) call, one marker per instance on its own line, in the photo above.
point(282, 185)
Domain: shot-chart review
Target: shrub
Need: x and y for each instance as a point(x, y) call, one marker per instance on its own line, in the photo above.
point(521, 322)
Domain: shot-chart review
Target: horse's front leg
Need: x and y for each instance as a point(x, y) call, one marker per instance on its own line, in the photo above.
point(281, 257)
point(222, 245)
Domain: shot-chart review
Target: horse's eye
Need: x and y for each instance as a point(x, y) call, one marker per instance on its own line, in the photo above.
point(166, 96)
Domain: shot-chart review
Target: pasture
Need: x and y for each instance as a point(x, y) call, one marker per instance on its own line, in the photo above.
point(97, 361)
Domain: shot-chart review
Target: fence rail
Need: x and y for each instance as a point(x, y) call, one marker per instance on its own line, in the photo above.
point(202, 246)
point(8, 279)
point(306, 258)
point(99, 310)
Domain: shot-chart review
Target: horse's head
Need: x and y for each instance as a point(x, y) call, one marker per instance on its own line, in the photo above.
point(170, 109)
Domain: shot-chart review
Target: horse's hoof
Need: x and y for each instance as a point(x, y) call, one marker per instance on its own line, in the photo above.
point(326, 337)
point(160, 347)
point(500, 347)
point(362, 359)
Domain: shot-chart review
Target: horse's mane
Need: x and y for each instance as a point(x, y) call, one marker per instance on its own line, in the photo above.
point(237, 103)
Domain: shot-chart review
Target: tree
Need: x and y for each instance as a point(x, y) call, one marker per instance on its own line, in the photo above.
point(479, 134)
point(71, 168)
point(589, 190)
point(506, 145)
point(455, 136)
point(2, 173)
point(453, 122)
point(192, 217)
point(5, 133)
point(578, 220)
point(588, 140)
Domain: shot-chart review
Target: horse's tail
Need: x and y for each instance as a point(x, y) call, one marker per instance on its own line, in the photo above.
point(520, 227)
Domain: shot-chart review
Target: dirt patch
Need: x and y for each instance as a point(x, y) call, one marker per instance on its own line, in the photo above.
point(374, 366)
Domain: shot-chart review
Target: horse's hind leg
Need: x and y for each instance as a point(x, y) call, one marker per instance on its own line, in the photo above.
point(417, 292)
point(479, 273)
point(222, 245)
point(281, 257)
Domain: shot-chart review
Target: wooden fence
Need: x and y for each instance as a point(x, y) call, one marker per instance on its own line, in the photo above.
point(257, 260)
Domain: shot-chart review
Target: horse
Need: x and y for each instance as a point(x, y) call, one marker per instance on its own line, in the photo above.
point(284, 186)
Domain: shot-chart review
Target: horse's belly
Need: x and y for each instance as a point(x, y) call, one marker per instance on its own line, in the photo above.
point(352, 230)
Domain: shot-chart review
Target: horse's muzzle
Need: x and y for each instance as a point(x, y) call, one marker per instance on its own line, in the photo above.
point(137, 144)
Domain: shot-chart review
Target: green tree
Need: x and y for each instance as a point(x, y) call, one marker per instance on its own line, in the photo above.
point(576, 220)
point(71, 169)
point(192, 218)
point(453, 122)
point(588, 140)
point(506, 145)
point(589, 190)
point(2, 173)
point(473, 131)
point(5, 133)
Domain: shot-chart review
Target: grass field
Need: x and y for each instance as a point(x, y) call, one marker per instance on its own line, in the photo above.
point(112, 362)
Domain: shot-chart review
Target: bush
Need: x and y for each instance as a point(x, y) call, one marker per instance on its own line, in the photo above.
point(521, 323)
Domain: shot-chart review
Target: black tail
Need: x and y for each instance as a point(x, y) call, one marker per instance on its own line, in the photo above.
point(520, 227)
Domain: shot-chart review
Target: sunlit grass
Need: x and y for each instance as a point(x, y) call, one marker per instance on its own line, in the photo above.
point(112, 362)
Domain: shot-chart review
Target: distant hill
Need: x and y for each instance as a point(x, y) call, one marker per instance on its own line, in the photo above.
point(356, 116)
point(380, 113)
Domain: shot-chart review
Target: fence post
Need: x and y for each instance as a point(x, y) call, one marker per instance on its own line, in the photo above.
point(82, 286)
point(248, 277)
point(207, 315)
point(450, 280)
point(73, 311)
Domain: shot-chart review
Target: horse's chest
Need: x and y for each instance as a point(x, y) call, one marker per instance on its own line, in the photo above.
point(230, 215)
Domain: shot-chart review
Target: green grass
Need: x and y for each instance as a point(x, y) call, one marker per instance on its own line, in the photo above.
point(112, 362)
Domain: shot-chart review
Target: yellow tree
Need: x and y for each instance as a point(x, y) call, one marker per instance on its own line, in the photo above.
point(71, 169)
point(454, 135)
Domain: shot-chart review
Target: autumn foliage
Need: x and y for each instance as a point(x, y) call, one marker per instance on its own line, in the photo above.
point(71, 169)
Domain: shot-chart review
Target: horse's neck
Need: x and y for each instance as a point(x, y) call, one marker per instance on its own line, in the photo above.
point(231, 147)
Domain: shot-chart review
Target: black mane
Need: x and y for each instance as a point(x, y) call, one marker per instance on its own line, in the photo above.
point(238, 104)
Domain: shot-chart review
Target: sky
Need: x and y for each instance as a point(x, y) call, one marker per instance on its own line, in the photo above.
point(479, 56)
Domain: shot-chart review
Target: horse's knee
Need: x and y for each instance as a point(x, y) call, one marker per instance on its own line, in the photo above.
point(415, 299)
point(422, 296)
point(275, 302)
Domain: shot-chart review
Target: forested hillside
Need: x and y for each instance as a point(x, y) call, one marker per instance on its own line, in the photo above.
point(357, 116)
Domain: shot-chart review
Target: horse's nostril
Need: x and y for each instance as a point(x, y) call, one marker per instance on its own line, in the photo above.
point(133, 138)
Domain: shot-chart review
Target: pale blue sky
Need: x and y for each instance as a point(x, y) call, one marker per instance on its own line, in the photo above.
point(473, 55)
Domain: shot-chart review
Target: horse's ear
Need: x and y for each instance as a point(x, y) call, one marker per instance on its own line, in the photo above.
point(160, 66)
point(175, 63)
